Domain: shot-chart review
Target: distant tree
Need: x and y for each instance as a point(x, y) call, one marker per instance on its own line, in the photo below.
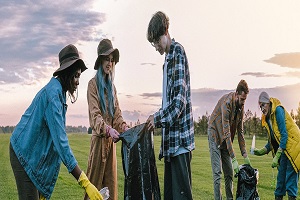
point(247, 121)
point(292, 114)
point(297, 116)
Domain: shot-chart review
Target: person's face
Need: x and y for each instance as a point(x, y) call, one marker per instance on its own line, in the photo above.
point(264, 107)
point(241, 99)
point(75, 81)
point(108, 64)
point(161, 44)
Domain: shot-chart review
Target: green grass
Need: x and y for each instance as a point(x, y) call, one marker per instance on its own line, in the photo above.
point(67, 187)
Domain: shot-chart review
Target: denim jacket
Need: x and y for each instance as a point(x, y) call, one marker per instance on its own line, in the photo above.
point(40, 140)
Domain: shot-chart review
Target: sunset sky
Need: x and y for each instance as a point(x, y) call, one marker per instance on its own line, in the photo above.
point(225, 41)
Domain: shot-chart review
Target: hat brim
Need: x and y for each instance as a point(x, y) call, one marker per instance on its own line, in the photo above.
point(99, 58)
point(70, 63)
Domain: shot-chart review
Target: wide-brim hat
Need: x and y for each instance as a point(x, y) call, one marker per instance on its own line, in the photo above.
point(67, 57)
point(105, 48)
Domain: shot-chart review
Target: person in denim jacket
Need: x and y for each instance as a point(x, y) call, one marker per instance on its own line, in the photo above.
point(39, 143)
point(175, 117)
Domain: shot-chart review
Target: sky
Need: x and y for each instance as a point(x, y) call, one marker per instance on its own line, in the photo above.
point(225, 41)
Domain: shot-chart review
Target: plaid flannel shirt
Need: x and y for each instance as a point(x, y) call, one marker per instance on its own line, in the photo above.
point(225, 121)
point(176, 118)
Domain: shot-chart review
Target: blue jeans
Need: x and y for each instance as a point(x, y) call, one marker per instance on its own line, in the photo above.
point(287, 178)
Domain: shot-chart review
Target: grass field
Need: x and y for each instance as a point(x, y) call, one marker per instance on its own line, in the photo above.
point(67, 187)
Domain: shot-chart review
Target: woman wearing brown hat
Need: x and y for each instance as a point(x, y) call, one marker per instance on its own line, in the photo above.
point(39, 142)
point(106, 120)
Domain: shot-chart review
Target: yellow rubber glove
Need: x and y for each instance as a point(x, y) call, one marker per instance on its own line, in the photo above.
point(42, 197)
point(235, 165)
point(247, 161)
point(276, 158)
point(90, 189)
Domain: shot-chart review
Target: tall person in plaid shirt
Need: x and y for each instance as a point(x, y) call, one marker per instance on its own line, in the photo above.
point(175, 117)
point(225, 121)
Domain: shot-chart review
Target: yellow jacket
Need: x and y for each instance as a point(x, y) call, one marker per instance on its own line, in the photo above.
point(292, 150)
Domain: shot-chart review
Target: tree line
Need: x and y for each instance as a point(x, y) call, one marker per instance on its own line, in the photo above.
point(252, 123)
point(69, 129)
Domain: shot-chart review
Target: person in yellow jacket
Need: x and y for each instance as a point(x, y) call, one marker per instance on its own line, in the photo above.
point(283, 141)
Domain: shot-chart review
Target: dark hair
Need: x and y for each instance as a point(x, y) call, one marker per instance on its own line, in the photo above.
point(242, 87)
point(67, 75)
point(158, 26)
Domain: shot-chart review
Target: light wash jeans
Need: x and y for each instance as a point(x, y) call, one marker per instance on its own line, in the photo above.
point(220, 158)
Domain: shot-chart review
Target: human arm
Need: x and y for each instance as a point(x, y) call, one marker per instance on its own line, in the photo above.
point(176, 89)
point(260, 152)
point(280, 119)
point(150, 122)
point(241, 139)
point(226, 112)
point(84, 182)
point(276, 158)
point(55, 118)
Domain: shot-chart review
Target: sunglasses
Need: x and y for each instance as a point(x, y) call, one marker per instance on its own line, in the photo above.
point(108, 59)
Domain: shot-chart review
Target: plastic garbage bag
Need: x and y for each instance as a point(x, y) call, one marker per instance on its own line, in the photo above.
point(247, 181)
point(141, 179)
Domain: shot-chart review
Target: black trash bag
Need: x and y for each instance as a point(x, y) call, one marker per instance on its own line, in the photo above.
point(141, 179)
point(247, 181)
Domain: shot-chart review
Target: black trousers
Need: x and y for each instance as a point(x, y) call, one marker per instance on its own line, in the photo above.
point(177, 178)
point(26, 189)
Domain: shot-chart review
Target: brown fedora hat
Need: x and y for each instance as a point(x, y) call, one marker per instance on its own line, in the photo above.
point(67, 57)
point(105, 48)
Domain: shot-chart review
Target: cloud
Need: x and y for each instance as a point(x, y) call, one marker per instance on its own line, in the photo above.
point(78, 116)
point(151, 95)
point(152, 64)
point(290, 60)
point(33, 32)
point(131, 115)
point(260, 74)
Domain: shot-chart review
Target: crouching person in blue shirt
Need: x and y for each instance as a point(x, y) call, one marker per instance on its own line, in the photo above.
point(39, 142)
point(283, 137)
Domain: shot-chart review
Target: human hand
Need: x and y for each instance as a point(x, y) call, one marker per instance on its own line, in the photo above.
point(276, 158)
point(247, 161)
point(260, 152)
point(150, 123)
point(235, 165)
point(112, 133)
point(90, 189)
point(125, 127)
